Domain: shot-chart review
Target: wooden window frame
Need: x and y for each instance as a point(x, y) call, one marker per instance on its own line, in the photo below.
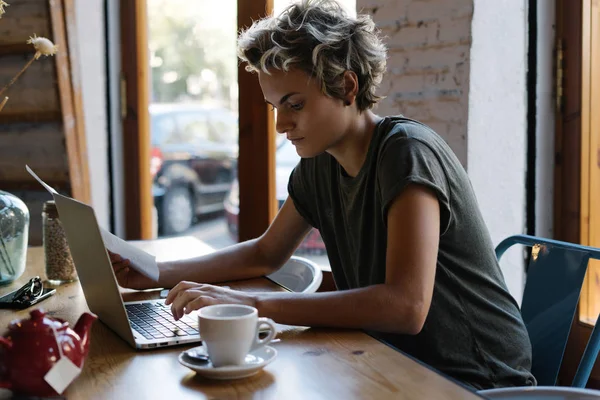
point(62, 15)
point(135, 98)
point(590, 192)
point(576, 158)
point(256, 162)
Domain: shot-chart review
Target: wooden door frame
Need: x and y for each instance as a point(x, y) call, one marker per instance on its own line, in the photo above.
point(256, 162)
point(573, 155)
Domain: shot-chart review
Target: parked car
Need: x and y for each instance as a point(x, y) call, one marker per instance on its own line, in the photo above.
point(193, 162)
point(285, 160)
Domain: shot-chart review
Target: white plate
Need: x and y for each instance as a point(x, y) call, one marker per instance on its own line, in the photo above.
point(254, 362)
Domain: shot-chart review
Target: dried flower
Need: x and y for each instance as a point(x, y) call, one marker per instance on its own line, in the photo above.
point(2, 5)
point(43, 46)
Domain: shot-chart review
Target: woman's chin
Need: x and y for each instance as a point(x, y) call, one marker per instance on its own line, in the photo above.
point(306, 153)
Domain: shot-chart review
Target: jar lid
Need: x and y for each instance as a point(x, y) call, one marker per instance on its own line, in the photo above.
point(50, 209)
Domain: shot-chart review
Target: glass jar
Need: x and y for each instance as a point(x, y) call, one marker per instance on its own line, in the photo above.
point(14, 233)
point(60, 267)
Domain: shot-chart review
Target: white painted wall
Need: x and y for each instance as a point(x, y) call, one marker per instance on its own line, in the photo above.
point(544, 182)
point(497, 122)
point(91, 46)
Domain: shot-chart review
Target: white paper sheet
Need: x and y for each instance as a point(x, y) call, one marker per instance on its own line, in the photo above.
point(44, 184)
point(141, 261)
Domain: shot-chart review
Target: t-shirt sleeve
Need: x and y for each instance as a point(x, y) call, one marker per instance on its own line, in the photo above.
point(299, 192)
point(405, 160)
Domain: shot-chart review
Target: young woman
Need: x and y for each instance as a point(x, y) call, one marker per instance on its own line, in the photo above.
point(411, 256)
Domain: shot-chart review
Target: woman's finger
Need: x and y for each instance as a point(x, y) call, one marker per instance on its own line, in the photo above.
point(181, 301)
point(120, 268)
point(180, 287)
point(122, 276)
point(121, 265)
point(199, 302)
point(113, 256)
point(116, 258)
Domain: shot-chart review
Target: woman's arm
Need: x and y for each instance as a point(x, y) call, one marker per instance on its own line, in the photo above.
point(399, 305)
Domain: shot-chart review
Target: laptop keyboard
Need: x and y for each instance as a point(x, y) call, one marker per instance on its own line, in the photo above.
point(155, 321)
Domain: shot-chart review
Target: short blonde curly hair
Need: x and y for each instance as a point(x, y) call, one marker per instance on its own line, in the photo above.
point(318, 37)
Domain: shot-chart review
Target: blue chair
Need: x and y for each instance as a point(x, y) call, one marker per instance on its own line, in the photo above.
point(554, 279)
point(541, 393)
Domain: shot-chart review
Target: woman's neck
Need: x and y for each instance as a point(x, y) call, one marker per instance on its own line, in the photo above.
point(351, 151)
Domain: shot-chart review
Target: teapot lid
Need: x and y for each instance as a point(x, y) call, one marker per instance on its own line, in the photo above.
point(37, 323)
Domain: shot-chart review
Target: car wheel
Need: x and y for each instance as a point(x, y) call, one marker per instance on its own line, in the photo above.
point(177, 211)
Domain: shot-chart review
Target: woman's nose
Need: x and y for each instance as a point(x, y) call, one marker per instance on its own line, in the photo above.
point(283, 123)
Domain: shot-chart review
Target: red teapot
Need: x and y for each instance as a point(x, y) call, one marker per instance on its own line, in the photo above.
point(31, 349)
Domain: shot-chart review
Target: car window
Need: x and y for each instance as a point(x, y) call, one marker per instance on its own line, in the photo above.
point(163, 128)
point(223, 130)
point(193, 128)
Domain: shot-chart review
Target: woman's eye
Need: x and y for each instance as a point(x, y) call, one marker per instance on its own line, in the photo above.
point(297, 106)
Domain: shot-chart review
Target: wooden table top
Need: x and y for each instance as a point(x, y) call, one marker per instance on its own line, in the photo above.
point(311, 363)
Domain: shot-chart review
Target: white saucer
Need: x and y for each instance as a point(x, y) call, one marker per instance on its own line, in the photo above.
point(254, 362)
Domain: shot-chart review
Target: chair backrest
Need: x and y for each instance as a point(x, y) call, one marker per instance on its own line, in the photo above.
point(298, 275)
point(554, 280)
point(540, 393)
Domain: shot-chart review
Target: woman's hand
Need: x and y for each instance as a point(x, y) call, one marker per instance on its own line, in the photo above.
point(188, 296)
point(128, 277)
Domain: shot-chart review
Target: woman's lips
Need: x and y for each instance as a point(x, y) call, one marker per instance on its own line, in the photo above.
point(296, 140)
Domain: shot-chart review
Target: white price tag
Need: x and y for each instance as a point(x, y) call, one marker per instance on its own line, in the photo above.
point(62, 374)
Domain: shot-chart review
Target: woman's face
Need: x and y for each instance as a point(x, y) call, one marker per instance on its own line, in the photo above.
point(311, 120)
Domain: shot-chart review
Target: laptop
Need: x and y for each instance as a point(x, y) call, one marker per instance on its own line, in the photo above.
point(143, 324)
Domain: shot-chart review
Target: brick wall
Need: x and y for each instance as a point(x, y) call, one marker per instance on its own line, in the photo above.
point(428, 65)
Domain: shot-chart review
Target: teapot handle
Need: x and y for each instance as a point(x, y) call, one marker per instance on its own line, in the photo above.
point(8, 344)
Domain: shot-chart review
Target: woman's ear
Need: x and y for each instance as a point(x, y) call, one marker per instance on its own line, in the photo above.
point(350, 87)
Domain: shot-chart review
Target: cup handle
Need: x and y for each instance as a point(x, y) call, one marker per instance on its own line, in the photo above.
point(258, 343)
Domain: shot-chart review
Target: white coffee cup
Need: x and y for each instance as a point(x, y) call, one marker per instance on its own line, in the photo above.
point(230, 331)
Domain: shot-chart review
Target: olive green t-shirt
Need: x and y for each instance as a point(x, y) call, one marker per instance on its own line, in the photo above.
point(473, 331)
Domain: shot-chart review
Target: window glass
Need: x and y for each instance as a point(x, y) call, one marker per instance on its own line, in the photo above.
point(193, 68)
point(223, 129)
point(163, 128)
point(193, 128)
